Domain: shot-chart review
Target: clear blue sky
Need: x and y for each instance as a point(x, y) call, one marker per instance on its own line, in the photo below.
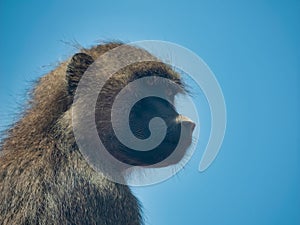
point(252, 47)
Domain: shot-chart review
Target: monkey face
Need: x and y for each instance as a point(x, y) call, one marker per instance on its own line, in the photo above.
point(175, 130)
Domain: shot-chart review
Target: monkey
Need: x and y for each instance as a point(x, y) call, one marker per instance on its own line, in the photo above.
point(44, 177)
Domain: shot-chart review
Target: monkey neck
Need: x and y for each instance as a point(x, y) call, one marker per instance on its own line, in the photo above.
point(64, 136)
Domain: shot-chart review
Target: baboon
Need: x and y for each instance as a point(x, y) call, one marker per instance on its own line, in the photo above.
point(44, 178)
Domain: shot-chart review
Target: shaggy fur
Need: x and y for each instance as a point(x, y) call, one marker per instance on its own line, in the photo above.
point(43, 177)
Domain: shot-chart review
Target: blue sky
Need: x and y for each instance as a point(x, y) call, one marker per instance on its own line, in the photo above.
point(253, 49)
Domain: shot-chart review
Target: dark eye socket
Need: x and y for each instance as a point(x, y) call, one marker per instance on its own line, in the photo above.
point(170, 94)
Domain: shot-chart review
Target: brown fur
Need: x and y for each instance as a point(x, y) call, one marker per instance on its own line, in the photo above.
point(43, 177)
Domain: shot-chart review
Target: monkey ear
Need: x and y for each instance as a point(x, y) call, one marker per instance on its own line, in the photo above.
point(76, 68)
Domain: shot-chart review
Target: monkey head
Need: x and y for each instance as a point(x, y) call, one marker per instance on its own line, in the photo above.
point(144, 117)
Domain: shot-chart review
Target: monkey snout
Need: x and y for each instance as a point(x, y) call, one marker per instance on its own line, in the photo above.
point(186, 122)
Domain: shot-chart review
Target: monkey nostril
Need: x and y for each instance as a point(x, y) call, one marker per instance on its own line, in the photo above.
point(193, 125)
point(187, 122)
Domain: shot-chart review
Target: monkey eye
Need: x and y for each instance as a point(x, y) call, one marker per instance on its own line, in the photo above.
point(170, 94)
